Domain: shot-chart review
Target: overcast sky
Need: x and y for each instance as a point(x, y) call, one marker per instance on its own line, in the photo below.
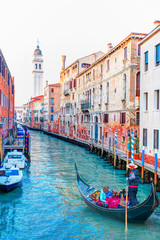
point(65, 27)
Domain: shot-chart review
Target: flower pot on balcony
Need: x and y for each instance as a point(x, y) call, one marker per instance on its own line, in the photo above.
point(136, 156)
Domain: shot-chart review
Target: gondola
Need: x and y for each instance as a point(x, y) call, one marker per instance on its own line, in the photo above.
point(138, 213)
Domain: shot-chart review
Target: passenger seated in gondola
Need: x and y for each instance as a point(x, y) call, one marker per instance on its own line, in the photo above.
point(105, 193)
point(122, 203)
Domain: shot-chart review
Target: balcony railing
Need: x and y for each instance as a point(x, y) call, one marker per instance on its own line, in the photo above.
point(85, 105)
point(66, 92)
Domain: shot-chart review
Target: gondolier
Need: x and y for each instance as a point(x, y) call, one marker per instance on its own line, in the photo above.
point(133, 182)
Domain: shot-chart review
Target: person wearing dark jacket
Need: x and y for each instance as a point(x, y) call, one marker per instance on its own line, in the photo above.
point(133, 182)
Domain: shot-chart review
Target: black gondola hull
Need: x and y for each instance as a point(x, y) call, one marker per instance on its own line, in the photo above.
point(138, 213)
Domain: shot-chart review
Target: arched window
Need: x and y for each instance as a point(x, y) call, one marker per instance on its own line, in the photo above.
point(39, 66)
point(124, 86)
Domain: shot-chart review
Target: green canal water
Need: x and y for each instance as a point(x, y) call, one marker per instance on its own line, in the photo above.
point(48, 205)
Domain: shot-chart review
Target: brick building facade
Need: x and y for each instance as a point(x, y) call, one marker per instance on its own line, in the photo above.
point(6, 100)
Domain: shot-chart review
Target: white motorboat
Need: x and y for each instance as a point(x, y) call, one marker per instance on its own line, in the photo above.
point(15, 158)
point(10, 177)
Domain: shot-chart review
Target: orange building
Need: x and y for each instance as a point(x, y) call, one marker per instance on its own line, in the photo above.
point(6, 100)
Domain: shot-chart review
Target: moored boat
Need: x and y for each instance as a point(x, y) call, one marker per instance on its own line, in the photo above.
point(138, 213)
point(15, 158)
point(10, 177)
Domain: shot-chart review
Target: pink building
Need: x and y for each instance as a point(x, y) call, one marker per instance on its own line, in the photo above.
point(51, 107)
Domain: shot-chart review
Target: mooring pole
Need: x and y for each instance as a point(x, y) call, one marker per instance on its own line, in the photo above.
point(155, 168)
point(132, 147)
point(115, 145)
point(142, 170)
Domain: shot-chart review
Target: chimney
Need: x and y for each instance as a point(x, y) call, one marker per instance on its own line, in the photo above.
point(63, 62)
point(156, 23)
point(46, 83)
point(109, 45)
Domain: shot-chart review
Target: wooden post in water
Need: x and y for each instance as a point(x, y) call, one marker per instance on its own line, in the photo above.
point(102, 146)
point(155, 168)
point(142, 170)
point(126, 228)
point(115, 145)
point(127, 157)
point(1, 150)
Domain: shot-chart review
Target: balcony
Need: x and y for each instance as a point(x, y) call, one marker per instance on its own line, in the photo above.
point(66, 92)
point(85, 105)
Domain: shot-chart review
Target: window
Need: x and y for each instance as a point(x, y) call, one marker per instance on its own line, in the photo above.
point(70, 84)
point(93, 74)
point(75, 83)
point(145, 101)
point(123, 140)
point(106, 134)
point(146, 60)
point(138, 84)
point(81, 118)
point(52, 118)
point(93, 95)
point(105, 118)
point(100, 132)
point(124, 86)
point(85, 65)
point(156, 99)
point(145, 137)
point(137, 118)
point(52, 109)
point(122, 118)
point(36, 66)
point(101, 69)
point(108, 64)
point(156, 139)
point(39, 66)
point(125, 52)
point(100, 94)
point(52, 90)
point(139, 50)
point(52, 100)
point(158, 55)
point(107, 93)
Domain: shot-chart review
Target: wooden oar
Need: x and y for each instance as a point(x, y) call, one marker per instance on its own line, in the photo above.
point(126, 229)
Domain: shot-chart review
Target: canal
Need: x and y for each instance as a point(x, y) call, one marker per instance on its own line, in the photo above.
point(48, 205)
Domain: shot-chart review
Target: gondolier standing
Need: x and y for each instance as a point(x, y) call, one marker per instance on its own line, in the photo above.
point(133, 182)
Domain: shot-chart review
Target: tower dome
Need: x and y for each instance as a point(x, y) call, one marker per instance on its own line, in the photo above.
point(37, 51)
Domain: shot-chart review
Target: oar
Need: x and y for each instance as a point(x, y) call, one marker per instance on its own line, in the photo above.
point(126, 229)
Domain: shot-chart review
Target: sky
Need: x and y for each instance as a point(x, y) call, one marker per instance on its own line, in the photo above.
point(65, 27)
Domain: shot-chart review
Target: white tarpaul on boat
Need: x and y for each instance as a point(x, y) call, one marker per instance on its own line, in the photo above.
point(10, 177)
point(15, 158)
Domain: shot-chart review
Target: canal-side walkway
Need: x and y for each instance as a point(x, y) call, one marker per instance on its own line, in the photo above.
point(119, 153)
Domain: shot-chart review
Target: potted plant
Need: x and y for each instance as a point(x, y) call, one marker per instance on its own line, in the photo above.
point(136, 156)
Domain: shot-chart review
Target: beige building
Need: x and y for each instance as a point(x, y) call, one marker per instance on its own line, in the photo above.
point(69, 94)
point(108, 96)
